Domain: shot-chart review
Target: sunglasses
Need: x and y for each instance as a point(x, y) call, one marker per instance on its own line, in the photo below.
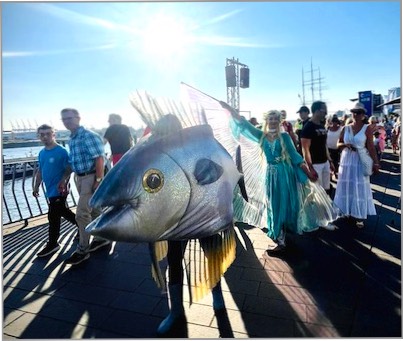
point(45, 134)
point(69, 118)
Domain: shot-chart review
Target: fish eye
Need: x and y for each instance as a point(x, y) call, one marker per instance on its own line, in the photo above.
point(153, 180)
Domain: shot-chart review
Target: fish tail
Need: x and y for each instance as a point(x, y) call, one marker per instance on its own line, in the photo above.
point(158, 251)
point(210, 265)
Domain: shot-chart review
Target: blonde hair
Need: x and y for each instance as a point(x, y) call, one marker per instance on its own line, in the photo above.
point(265, 129)
point(266, 116)
point(272, 113)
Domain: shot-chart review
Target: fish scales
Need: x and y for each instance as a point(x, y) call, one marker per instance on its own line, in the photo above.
point(195, 199)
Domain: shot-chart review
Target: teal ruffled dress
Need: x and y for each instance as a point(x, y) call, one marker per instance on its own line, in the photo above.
point(293, 201)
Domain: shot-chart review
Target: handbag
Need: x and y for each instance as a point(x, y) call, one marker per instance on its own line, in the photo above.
point(366, 161)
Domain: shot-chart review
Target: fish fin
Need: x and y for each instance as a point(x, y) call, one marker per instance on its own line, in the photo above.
point(206, 260)
point(161, 249)
point(157, 250)
point(238, 159)
point(207, 171)
point(253, 165)
point(242, 187)
point(151, 109)
point(241, 182)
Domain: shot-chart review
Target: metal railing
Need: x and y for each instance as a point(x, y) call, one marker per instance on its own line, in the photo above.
point(18, 202)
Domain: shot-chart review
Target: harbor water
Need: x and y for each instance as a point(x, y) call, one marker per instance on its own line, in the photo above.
point(18, 202)
point(16, 153)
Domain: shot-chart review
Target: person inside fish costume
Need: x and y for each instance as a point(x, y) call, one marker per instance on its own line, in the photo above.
point(174, 190)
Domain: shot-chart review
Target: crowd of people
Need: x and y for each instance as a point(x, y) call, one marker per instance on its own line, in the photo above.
point(86, 159)
point(301, 161)
point(291, 188)
point(328, 146)
point(318, 147)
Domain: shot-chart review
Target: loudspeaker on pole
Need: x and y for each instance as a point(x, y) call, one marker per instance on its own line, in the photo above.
point(230, 76)
point(244, 78)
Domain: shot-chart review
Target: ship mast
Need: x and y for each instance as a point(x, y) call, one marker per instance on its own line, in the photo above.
point(315, 83)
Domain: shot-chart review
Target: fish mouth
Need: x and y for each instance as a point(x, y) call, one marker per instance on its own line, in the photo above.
point(116, 223)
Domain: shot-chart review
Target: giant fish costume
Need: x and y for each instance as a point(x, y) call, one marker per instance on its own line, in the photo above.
point(176, 187)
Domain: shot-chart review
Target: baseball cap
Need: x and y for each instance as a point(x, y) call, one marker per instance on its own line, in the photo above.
point(303, 109)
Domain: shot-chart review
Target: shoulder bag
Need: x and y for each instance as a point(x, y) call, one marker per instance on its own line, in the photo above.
point(366, 161)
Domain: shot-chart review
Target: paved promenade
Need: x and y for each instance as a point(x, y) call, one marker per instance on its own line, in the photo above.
point(343, 283)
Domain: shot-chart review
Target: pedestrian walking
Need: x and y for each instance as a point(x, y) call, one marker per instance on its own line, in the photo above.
point(294, 204)
point(119, 137)
point(175, 323)
point(286, 126)
point(87, 162)
point(353, 191)
point(396, 136)
point(53, 160)
point(314, 147)
point(304, 118)
point(333, 134)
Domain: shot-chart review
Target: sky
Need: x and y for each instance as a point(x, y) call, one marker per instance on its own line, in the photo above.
point(91, 56)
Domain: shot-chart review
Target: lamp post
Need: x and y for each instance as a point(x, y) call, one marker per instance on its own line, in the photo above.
point(236, 75)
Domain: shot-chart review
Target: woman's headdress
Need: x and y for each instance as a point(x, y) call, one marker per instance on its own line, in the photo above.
point(272, 113)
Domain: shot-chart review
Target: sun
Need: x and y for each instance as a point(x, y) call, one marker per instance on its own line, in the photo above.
point(166, 37)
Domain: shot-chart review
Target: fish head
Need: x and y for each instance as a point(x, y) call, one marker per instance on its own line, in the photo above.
point(135, 196)
point(175, 187)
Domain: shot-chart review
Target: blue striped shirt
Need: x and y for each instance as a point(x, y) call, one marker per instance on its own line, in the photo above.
point(85, 146)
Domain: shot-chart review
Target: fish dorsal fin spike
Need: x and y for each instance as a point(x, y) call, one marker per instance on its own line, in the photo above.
point(207, 171)
point(151, 109)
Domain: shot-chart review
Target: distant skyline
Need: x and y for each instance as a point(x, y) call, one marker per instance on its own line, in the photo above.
point(91, 56)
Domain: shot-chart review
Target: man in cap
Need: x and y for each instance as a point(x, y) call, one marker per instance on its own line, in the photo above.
point(304, 118)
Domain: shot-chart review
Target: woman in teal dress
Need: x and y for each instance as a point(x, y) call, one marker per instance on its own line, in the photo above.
point(293, 203)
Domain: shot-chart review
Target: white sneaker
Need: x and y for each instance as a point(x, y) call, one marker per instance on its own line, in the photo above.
point(330, 227)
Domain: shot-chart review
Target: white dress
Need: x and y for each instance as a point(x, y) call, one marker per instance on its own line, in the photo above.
point(353, 192)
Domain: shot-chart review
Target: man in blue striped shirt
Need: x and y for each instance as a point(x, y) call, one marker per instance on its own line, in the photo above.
point(87, 162)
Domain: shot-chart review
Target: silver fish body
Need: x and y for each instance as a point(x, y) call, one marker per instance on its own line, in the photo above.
point(177, 187)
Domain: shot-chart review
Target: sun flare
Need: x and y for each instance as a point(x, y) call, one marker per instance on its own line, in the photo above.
point(166, 37)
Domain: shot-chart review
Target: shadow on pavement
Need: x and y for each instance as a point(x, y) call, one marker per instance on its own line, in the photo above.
point(342, 283)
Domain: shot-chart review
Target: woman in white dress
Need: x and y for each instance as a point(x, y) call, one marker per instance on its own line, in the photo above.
point(353, 192)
